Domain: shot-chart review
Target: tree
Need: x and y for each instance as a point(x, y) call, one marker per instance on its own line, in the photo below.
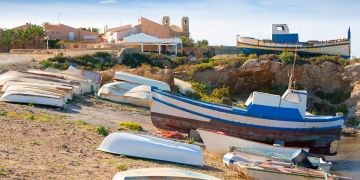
point(187, 41)
point(7, 38)
point(37, 33)
point(202, 44)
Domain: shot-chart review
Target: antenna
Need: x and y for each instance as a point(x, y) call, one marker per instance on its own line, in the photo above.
point(292, 69)
point(58, 16)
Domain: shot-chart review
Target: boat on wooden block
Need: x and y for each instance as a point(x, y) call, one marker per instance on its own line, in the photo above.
point(151, 147)
point(161, 174)
point(282, 40)
point(267, 118)
point(123, 76)
point(219, 143)
point(126, 92)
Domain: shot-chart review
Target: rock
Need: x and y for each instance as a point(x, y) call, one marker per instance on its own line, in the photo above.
point(226, 101)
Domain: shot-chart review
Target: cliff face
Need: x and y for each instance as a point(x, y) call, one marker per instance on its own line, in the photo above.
point(254, 74)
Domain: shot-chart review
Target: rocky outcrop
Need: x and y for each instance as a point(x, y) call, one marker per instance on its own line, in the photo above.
point(352, 74)
point(121, 54)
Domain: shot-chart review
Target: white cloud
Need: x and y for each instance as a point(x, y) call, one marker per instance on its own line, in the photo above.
point(108, 1)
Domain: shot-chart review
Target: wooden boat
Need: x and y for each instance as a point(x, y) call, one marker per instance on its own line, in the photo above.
point(271, 170)
point(161, 174)
point(252, 156)
point(219, 143)
point(125, 92)
point(60, 89)
point(282, 40)
point(151, 147)
point(267, 118)
point(123, 76)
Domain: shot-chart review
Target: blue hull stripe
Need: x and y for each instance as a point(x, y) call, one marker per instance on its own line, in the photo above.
point(248, 125)
point(244, 112)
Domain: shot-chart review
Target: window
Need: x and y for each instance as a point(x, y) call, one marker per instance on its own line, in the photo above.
point(294, 98)
point(280, 28)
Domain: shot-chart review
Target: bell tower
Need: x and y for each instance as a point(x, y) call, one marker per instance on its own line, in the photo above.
point(185, 24)
point(166, 21)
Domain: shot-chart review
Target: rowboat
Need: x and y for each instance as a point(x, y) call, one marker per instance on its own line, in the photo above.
point(268, 118)
point(35, 96)
point(123, 76)
point(150, 147)
point(126, 92)
point(161, 174)
point(219, 144)
point(253, 156)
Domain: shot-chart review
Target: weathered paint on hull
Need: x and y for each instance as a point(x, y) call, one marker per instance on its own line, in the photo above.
point(318, 141)
point(249, 45)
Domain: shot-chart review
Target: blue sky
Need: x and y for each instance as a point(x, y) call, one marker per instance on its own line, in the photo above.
point(218, 21)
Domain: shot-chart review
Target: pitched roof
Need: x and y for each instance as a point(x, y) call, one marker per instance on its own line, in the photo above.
point(144, 38)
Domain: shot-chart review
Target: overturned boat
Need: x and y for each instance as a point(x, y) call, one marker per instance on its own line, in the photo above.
point(268, 118)
point(282, 40)
point(126, 92)
point(151, 147)
point(132, 78)
point(161, 174)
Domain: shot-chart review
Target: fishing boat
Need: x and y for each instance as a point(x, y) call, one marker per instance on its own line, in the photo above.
point(150, 147)
point(132, 78)
point(283, 40)
point(161, 174)
point(126, 92)
point(267, 118)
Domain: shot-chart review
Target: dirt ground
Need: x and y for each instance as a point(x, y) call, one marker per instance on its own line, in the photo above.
point(45, 143)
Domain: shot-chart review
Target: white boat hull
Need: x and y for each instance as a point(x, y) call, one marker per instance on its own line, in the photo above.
point(151, 147)
point(123, 76)
point(161, 174)
point(219, 144)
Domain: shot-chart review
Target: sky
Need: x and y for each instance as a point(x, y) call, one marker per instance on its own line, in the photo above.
point(218, 21)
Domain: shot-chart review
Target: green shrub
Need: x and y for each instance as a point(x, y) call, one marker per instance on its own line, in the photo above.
point(190, 141)
point(131, 125)
point(102, 130)
point(30, 117)
point(180, 60)
point(2, 113)
point(335, 97)
point(342, 108)
point(98, 61)
point(219, 93)
point(121, 167)
point(326, 58)
point(286, 57)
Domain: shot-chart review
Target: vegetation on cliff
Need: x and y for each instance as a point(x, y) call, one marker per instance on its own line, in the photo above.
point(97, 61)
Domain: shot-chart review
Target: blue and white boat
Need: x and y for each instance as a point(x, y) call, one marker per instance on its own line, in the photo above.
point(268, 118)
point(282, 40)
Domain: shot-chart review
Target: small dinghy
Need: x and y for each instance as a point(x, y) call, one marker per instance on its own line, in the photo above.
point(125, 92)
point(161, 174)
point(151, 147)
point(123, 76)
point(219, 143)
point(254, 156)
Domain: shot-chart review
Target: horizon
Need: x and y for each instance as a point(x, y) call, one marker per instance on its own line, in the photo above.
point(217, 22)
